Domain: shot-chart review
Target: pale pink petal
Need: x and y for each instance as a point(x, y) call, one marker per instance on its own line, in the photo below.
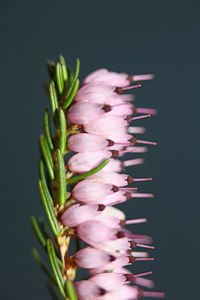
point(84, 142)
point(91, 258)
point(89, 191)
point(108, 281)
point(113, 212)
point(111, 178)
point(104, 76)
point(86, 161)
point(93, 232)
point(86, 289)
point(78, 214)
point(83, 113)
point(115, 245)
point(121, 110)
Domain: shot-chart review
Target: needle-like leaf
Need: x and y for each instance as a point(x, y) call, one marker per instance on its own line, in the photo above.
point(53, 97)
point(63, 131)
point(44, 183)
point(61, 178)
point(38, 232)
point(46, 153)
point(63, 67)
point(59, 78)
point(49, 211)
point(71, 293)
point(47, 130)
point(75, 77)
point(89, 173)
point(55, 268)
point(70, 76)
point(71, 96)
point(42, 265)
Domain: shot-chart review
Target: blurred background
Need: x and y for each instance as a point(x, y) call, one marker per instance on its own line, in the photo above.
point(136, 37)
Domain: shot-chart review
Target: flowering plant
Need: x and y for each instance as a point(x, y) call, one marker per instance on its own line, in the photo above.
point(81, 181)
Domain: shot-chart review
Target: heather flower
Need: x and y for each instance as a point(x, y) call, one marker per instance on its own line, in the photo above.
point(104, 76)
point(87, 184)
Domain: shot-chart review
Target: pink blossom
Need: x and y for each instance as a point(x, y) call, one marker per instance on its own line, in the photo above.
point(112, 178)
point(84, 142)
point(91, 191)
point(84, 162)
point(103, 76)
point(87, 231)
point(78, 214)
point(121, 110)
point(103, 114)
point(109, 281)
point(88, 290)
point(82, 113)
point(99, 94)
point(114, 165)
point(114, 212)
point(106, 125)
point(92, 258)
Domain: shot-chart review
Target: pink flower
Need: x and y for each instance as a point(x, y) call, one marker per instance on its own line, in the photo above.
point(112, 178)
point(78, 214)
point(84, 142)
point(84, 162)
point(87, 231)
point(103, 114)
point(89, 258)
point(91, 191)
point(99, 94)
point(103, 76)
point(109, 281)
point(82, 113)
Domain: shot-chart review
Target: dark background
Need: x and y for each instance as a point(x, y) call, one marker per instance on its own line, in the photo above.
point(131, 36)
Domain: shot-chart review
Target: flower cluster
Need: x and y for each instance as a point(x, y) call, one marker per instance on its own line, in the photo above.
point(102, 113)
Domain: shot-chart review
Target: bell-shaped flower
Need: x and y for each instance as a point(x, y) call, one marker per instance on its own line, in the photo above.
point(103, 76)
point(77, 214)
point(88, 191)
point(84, 142)
point(86, 161)
point(94, 232)
point(92, 258)
point(83, 113)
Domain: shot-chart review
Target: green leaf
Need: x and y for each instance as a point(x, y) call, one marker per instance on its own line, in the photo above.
point(75, 77)
point(53, 97)
point(55, 268)
point(47, 156)
point(91, 172)
point(38, 259)
point(38, 232)
point(63, 67)
point(49, 211)
point(59, 78)
point(47, 130)
point(77, 69)
point(44, 183)
point(71, 293)
point(48, 235)
point(63, 131)
point(71, 96)
point(61, 178)
point(70, 76)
